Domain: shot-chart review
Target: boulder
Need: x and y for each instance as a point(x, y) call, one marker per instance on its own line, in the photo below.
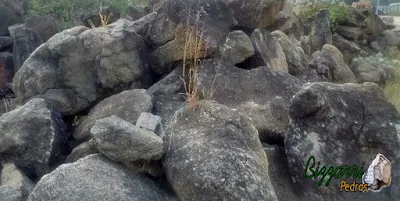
point(80, 151)
point(10, 194)
point(5, 42)
point(320, 68)
point(123, 142)
point(355, 18)
point(237, 47)
point(26, 41)
point(6, 72)
point(8, 18)
point(349, 49)
point(295, 57)
point(187, 30)
point(391, 37)
point(96, 178)
point(151, 123)
point(33, 136)
point(349, 129)
point(264, 97)
point(320, 33)
point(279, 173)
point(351, 33)
point(366, 72)
point(13, 177)
point(45, 26)
point(255, 13)
point(342, 72)
point(93, 17)
point(127, 105)
point(219, 148)
point(268, 49)
point(375, 25)
point(79, 67)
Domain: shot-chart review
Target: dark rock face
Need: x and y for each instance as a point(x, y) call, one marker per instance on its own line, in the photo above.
point(9, 16)
point(356, 18)
point(95, 178)
point(33, 136)
point(351, 33)
point(278, 170)
point(80, 66)
point(349, 49)
point(5, 42)
point(255, 13)
point(264, 95)
point(134, 13)
point(6, 72)
point(219, 148)
point(80, 151)
point(26, 40)
point(268, 49)
point(375, 26)
point(348, 129)
point(321, 68)
point(127, 105)
point(187, 29)
point(320, 31)
point(94, 16)
point(45, 26)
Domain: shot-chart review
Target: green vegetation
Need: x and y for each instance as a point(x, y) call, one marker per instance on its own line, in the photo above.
point(68, 11)
point(392, 87)
point(337, 12)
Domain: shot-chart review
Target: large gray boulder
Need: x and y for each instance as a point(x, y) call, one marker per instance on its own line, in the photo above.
point(219, 148)
point(122, 141)
point(13, 177)
point(96, 178)
point(366, 72)
point(349, 49)
point(264, 96)
point(237, 47)
point(80, 66)
point(295, 57)
point(255, 13)
point(26, 41)
point(351, 33)
point(342, 72)
point(186, 29)
point(320, 33)
point(128, 105)
point(268, 49)
point(33, 136)
point(341, 125)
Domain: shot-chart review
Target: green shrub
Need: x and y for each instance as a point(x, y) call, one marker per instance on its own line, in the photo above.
point(337, 12)
point(67, 11)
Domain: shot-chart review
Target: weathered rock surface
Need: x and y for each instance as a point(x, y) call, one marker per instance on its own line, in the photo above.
point(10, 194)
point(264, 96)
point(366, 72)
point(269, 50)
point(26, 40)
point(295, 57)
point(320, 68)
point(127, 105)
point(96, 178)
point(349, 49)
point(375, 25)
point(80, 66)
point(122, 141)
point(13, 177)
point(255, 13)
point(352, 127)
point(45, 26)
point(320, 31)
point(80, 151)
point(151, 122)
point(5, 42)
point(219, 148)
point(351, 33)
point(33, 136)
point(237, 47)
point(6, 72)
point(342, 72)
point(187, 29)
